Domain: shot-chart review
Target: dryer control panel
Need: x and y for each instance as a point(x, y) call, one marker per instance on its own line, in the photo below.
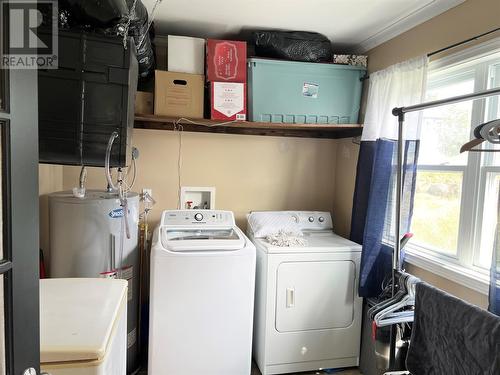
point(313, 220)
point(210, 218)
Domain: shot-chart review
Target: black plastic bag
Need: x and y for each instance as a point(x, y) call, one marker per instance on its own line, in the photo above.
point(293, 45)
point(111, 17)
point(138, 29)
point(97, 13)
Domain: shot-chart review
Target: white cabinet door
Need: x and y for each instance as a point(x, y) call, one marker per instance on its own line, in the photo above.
point(315, 295)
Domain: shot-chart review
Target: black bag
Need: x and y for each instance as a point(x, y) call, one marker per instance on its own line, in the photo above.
point(96, 14)
point(138, 30)
point(293, 45)
point(108, 17)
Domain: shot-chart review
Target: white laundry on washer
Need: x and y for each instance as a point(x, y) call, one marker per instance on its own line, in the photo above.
point(283, 238)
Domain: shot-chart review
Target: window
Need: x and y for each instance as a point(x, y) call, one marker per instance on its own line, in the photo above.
point(456, 198)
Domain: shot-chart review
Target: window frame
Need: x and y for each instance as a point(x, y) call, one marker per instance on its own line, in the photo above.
point(464, 267)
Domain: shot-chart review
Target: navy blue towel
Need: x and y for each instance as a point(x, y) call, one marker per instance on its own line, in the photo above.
point(451, 336)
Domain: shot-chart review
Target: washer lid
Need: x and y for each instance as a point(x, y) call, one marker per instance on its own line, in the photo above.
point(77, 317)
point(202, 239)
point(317, 242)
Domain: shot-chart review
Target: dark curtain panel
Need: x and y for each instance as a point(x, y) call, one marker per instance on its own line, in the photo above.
point(373, 208)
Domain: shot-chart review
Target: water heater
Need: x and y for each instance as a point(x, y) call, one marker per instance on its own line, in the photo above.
point(88, 239)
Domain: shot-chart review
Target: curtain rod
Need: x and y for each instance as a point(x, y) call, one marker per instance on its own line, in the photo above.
point(400, 111)
point(463, 42)
point(452, 46)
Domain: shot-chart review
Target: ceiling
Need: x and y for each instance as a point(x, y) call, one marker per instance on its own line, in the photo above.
point(352, 25)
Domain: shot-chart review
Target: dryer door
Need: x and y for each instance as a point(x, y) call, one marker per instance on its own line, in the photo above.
point(315, 295)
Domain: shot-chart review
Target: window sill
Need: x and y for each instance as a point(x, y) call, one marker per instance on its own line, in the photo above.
point(470, 278)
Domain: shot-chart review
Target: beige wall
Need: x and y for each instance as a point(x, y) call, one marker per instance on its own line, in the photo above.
point(345, 178)
point(467, 20)
point(248, 172)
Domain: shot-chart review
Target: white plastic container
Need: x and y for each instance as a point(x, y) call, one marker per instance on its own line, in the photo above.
point(83, 326)
point(186, 54)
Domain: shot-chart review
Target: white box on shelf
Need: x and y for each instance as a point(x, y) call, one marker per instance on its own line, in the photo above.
point(201, 198)
point(186, 54)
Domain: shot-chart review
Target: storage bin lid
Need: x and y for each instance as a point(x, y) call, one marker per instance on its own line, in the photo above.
point(301, 65)
point(77, 317)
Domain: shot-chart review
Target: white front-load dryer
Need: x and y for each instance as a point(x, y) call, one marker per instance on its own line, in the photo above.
point(202, 295)
point(307, 310)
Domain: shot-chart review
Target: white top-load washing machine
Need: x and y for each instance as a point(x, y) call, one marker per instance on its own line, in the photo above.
point(83, 326)
point(307, 310)
point(202, 295)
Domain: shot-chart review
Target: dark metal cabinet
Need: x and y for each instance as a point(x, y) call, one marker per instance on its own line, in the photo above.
point(86, 99)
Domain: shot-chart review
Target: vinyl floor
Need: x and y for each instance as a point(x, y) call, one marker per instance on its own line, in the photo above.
point(255, 371)
point(350, 371)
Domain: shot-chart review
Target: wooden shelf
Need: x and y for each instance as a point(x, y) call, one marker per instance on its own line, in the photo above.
point(251, 128)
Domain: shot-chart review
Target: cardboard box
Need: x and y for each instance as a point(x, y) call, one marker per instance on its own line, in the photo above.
point(228, 101)
point(178, 94)
point(226, 61)
point(144, 103)
point(186, 54)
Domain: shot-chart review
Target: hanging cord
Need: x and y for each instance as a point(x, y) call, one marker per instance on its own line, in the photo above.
point(83, 177)
point(179, 129)
point(121, 186)
point(79, 192)
point(107, 167)
point(127, 24)
point(208, 125)
point(150, 21)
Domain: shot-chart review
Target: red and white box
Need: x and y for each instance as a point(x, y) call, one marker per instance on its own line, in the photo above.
point(228, 101)
point(226, 61)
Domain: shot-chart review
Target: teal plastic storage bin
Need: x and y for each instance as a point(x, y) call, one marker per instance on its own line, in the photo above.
point(303, 93)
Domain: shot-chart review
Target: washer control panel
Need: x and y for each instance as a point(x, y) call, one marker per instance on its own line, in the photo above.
point(198, 217)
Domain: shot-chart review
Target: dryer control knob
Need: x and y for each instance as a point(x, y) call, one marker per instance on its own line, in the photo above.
point(311, 219)
point(198, 217)
point(321, 219)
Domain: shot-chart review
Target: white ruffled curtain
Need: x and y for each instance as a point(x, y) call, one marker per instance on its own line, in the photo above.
point(399, 85)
